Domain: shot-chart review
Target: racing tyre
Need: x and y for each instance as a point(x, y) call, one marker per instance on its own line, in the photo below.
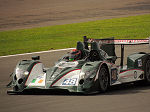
point(147, 70)
point(103, 79)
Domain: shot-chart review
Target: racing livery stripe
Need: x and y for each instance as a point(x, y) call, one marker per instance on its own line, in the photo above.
point(63, 76)
point(127, 75)
point(130, 70)
point(31, 69)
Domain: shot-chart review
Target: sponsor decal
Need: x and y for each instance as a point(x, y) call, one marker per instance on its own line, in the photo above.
point(132, 41)
point(114, 75)
point(69, 81)
point(40, 81)
point(119, 41)
point(133, 73)
point(139, 62)
point(33, 81)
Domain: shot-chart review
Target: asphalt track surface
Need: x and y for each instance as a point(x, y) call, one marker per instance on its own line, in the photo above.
point(122, 98)
point(26, 13)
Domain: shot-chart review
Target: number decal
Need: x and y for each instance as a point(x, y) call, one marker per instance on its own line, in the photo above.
point(69, 81)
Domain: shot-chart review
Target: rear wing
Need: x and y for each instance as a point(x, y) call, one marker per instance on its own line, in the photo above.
point(118, 41)
point(108, 44)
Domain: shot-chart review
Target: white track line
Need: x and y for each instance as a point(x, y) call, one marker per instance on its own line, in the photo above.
point(37, 52)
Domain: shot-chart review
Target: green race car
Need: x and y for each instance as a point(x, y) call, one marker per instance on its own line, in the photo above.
point(88, 68)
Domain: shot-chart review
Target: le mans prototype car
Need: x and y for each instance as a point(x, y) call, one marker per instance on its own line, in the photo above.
point(88, 68)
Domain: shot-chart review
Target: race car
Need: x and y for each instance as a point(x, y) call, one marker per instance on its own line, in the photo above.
point(88, 68)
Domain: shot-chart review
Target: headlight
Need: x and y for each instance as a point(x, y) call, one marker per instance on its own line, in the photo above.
point(19, 73)
point(26, 73)
point(82, 75)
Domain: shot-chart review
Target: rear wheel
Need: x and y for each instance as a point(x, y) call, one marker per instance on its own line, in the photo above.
point(147, 70)
point(103, 79)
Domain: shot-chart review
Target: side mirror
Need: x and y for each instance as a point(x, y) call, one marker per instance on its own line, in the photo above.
point(112, 59)
point(35, 57)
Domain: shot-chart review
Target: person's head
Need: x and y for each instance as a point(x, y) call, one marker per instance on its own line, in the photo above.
point(74, 55)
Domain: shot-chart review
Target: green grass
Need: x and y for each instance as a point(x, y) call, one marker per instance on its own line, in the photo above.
point(66, 36)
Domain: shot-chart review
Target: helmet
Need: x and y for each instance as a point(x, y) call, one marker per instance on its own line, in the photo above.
point(74, 55)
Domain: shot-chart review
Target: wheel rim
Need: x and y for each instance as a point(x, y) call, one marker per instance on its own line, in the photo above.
point(103, 79)
point(148, 70)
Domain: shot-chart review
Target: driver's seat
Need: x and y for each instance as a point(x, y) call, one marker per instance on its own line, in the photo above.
point(96, 53)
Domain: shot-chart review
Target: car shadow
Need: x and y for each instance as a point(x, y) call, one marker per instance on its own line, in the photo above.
point(130, 88)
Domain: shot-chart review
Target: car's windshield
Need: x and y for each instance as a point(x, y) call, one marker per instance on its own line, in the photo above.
point(64, 64)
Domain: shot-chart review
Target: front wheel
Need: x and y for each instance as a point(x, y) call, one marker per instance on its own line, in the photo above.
point(103, 79)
